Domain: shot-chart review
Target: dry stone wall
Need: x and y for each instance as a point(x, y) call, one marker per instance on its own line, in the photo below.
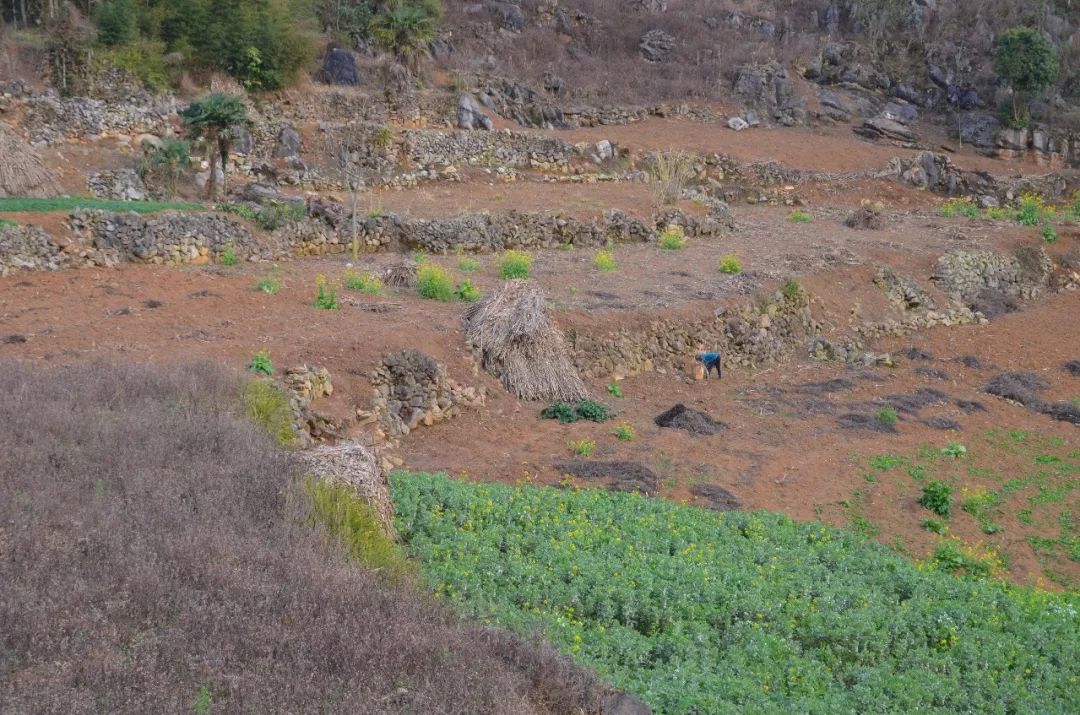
point(411, 390)
point(165, 238)
point(964, 275)
point(29, 248)
point(758, 333)
point(504, 148)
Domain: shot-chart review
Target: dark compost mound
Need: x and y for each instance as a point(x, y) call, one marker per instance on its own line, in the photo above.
point(693, 421)
point(717, 498)
point(992, 303)
point(914, 353)
point(827, 387)
point(1022, 387)
point(1072, 367)
point(861, 421)
point(918, 400)
point(622, 476)
point(943, 423)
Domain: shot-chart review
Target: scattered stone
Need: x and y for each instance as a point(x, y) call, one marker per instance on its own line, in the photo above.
point(411, 390)
point(738, 124)
point(717, 498)
point(118, 185)
point(621, 476)
point(905, 292)
point(656, 46)
point(693, 421)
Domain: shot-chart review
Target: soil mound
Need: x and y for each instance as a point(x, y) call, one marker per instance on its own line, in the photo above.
point(970, 406)
point(943, 423)
point(918, 400)
point(622, 476)
point(992, 303)
point(1061, 410)
point(913, 353)
point(867, 218)
point(717, 498)
point(693, 421)
point(827, 387)
point(860, 421)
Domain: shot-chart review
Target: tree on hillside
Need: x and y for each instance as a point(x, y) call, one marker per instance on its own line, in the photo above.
point(404, 27)
point(213, 118)
point(1028, 62)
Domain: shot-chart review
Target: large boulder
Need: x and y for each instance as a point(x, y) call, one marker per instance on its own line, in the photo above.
point(471, 114)
point(769, 89)
point(509, 15)
point(288, 143)
point(886, 129)
point(339, 67)
point(900, 112)
point(656, 45)
point(979, 129)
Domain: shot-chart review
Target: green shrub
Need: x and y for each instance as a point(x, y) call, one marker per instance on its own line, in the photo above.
point(791, 290)
point(515, 264)
point(267, 405)
point(604, 261)
point(467, 293)
point(584, 410)
point(582, 447)
point(1031, 209)
point(268, 284)
point(954, 450)
point(143, 60)
point(275, 215)
point(673, 239)
point(356, 524)
point(937, 497)
point(260, 363)
point(228, 256)
point(625, 432)
point(697, 612)
point(887, 416)
point(996, 213)
point(730, 265)
point(1029, 63)
point(434, 282)
point(934, 526)
point(117, 21)
point(326, 295)
point(468, 265)
point(165, 165)
point(1049, 234)
point(799, 216)
point(961, 206)
point(615, 390)
point(365, 283)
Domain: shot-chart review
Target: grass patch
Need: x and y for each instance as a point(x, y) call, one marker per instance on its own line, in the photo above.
point(961, 206)
point(269, 284)
point(695, 611)
point(730, 265)
point(515, 264)
point(625, 432)
point(582, 447)
point(798, 216)
point(229, 257)
point(356, 525)
point(887, 416)
point(604, 261)
point(267, 405)
point(261, 364)
point(1049, 234)
point(673, 239)
point(468, 265)
point(567, 413)
point(434, 282)
point(615, 390)
point(14, 204)
point(367, 283)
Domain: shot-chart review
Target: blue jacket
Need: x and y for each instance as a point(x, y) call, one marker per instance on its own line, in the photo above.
point(709, 359)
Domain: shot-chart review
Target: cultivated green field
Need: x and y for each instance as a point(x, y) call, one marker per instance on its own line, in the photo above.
point(699, 612)
point(25, 205)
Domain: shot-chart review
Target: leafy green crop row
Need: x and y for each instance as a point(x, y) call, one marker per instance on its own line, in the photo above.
point(13, 204)
point(698, 612)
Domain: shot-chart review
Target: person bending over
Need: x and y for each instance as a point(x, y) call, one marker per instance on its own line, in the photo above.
point(710, 361)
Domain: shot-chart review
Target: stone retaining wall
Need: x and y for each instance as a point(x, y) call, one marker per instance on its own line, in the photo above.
point(504, 148)
point(29, 248)
point(758, 333)
point(165, 238)
point(964, 275)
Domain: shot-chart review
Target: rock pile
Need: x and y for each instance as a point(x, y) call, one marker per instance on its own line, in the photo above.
point(305, 385)
point(29, 248)
point(118, 185)
point(411, 389)
point(965, 275)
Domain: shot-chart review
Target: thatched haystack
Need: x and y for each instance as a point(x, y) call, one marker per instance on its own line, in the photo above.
point(356, 467)
point(22, 173)
point(519, 343)
point(400, 275)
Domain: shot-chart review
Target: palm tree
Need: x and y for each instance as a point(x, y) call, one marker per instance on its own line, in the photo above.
point(404, 27)
point(214, 117)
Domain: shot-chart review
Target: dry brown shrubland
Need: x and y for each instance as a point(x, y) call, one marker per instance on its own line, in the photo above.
point(156, 555)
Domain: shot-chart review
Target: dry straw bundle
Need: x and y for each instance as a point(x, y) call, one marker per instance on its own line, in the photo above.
point(22, 173)
point(520, 344)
